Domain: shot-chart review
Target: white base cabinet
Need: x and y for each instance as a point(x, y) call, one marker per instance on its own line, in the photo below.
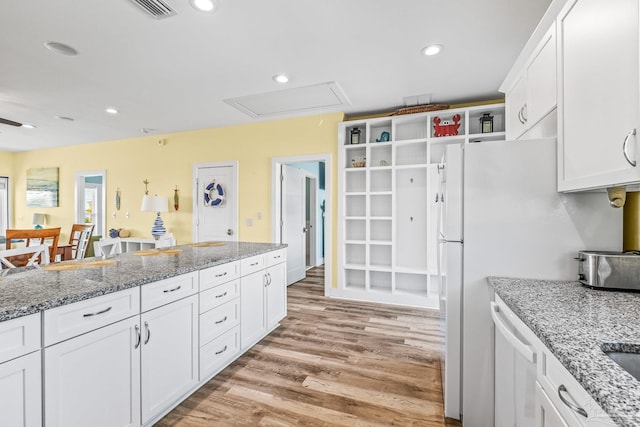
point(21, 392)
point(263, 296)
point(169, 355)
point(94, 379)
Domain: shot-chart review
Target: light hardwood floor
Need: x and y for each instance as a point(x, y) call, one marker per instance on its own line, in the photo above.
point(330, 363)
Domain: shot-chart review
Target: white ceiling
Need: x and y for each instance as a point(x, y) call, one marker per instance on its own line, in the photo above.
point(174, 74)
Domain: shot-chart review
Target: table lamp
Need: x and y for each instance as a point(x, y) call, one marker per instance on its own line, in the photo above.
point(38, 220)
point(155, 204)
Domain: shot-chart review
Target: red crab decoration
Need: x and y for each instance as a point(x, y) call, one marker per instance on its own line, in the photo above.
point(446, 127)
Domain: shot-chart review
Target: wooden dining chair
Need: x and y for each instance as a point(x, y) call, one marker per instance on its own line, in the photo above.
point(27, 256)
point(79, 239)
point(48, 236)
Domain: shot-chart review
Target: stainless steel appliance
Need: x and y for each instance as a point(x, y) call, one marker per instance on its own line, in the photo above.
point(610, 270)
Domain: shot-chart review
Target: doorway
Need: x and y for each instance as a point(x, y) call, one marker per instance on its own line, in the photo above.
point(4, 204)
point(90, 200)
point(317, 178)
point(215, 202)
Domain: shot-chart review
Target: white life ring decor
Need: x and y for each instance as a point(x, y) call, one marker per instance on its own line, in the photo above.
point(213, 194)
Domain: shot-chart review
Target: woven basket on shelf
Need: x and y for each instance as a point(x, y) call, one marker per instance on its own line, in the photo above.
point(420, 109)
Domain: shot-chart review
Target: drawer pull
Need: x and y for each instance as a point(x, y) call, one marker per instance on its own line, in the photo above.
point(166, 291)
point(254, 264)
point(624, 148)
point(146, 326)
point(139, 337)
point(221, 351)
point(97, 312)
point(222, 295)
point(221, 275)
point(574, 407)
point(276, 257)
point(217, 322)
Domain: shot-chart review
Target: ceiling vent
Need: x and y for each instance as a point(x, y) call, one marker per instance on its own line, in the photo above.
point(156, 8)
point(298, 100)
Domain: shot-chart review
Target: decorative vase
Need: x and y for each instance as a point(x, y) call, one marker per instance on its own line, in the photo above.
point(158, 229)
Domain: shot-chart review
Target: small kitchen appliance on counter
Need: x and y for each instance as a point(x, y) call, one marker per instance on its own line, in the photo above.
point(609, 270)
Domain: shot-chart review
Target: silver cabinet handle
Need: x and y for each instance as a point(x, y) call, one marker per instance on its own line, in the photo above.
point(229, 232)
point(217, 322)
point(221, 351)
point(624, 147)
point(221, 275)
point(166, 291)
point(139, 337)
point(254, 264)
point(437, 197)
point(276, 257)
point(265, 280)
point(269, 274)
point(524, 113)
point(575, 408)
point(97, 312)
point(222, 295)
point(146, 326)
point(520, 119)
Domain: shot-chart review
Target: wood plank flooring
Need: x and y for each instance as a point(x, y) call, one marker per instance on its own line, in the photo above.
point(330, 363)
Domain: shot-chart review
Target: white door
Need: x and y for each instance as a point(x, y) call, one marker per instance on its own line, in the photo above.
point(169, 354)
point(94, 379)
point(293, 222)
point(216, 202)
point(20, 392)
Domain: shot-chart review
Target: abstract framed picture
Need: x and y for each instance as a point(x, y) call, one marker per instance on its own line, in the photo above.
point(42, 187)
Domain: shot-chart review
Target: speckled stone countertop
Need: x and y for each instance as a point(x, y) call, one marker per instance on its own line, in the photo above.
point(28, 290)
point(576, 323)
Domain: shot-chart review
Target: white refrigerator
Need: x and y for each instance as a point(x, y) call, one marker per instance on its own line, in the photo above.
point(502, 216)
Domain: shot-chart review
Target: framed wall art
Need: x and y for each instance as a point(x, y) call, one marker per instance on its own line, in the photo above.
point(42, 187)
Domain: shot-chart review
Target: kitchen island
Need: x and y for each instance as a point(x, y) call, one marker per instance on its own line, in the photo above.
point(576, 324)
point(121, 341)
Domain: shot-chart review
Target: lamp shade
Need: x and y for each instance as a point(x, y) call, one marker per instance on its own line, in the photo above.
point(39, 218)
point(154, 204)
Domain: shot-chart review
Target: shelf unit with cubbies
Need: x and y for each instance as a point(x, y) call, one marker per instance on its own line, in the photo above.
point(387, 215)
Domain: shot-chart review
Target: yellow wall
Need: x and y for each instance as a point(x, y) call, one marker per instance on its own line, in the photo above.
point(128, 162)
point(6, 164)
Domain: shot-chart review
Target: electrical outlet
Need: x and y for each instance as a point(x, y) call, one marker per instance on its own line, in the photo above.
point(259, 215)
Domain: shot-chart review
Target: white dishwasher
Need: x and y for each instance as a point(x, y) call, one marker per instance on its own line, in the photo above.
point(515, 369)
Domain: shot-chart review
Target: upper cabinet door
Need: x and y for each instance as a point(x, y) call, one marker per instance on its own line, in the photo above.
point(599, 94)
point(515, 106)
point(541, 81)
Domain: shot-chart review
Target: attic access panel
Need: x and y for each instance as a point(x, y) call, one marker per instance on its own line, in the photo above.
point(300, 99)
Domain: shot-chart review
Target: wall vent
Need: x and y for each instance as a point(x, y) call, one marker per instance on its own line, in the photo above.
point(156, 8)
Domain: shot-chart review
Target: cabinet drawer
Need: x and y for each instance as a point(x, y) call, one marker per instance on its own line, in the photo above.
point(276, 257)
point(215, 355)
point(219, 274)
point(74, 319)
point(553, 377)
point(19, 336)
point(218, 320)
point(219, 295)
point(252, 264)
point(165, 291)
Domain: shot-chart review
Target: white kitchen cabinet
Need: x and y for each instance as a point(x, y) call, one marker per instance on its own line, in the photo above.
point(94, 379)
point(546, 414)
point(169, 368)
point(263, 296)
point(599, 96)
point(21, 392)
point(276, 295)
point(386, 228)
point(533, 94)
point(252, 308)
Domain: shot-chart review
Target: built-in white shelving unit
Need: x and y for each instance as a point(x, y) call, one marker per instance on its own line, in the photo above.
point(387, 208)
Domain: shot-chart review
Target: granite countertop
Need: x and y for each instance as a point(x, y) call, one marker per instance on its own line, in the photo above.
point(575, 323)
point(28, 290)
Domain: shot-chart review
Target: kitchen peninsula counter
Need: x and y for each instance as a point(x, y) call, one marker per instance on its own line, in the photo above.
point(575, 323)
point(28, 290)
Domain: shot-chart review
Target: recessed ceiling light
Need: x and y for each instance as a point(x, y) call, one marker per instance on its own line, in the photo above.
point(431, 50)
point(61, 48)
point(111, 111)
point(208, 6)
point(147, 130)
point(28, 126)
point(65, 118)
point(281, 78)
